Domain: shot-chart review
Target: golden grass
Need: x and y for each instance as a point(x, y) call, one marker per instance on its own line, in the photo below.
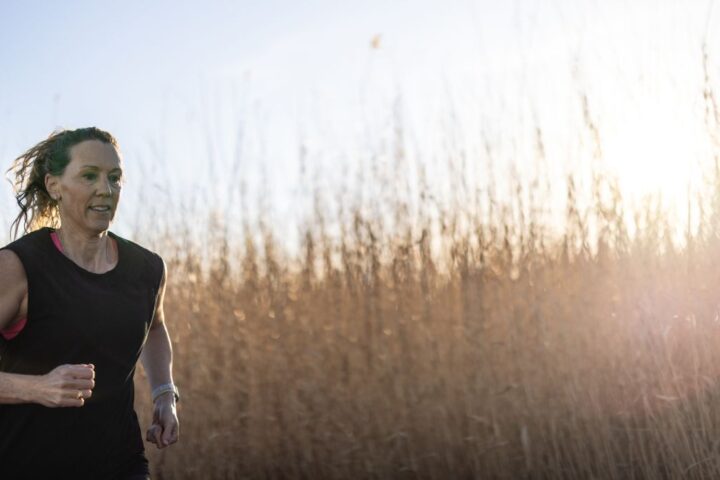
point(502, 353)
point(452, 341)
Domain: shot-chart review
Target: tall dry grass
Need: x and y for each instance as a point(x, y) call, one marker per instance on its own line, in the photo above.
point(449, 344)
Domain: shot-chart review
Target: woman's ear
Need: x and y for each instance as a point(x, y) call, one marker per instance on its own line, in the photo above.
point(51, 185)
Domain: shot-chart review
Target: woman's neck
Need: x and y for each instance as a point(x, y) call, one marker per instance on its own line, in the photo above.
point(95, 253)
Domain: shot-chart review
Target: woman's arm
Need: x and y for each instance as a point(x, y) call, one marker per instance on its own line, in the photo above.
point(64, 386)
point(156, 358)
point(13, 289)
point(14, 388)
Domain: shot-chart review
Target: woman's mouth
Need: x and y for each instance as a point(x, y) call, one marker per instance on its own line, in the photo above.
point(100, 208)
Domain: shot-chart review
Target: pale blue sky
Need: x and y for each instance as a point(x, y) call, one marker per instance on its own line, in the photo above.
point(179, 83)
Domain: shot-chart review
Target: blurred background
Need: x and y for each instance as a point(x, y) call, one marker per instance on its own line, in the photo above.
point(409, 239)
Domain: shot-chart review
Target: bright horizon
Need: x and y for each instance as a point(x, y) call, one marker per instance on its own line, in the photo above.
point(203, 97)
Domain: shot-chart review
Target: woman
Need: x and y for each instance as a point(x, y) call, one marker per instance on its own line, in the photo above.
point(78, 306)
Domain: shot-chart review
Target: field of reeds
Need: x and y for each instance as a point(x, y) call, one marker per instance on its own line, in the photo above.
point(449, 344)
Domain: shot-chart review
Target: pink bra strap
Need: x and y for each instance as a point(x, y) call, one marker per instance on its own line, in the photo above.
point(56, 240)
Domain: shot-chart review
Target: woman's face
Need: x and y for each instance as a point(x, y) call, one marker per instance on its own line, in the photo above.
point(89, 188)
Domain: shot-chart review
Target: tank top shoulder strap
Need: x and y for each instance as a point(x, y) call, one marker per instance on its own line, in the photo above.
point(34, 251)
point(146, 266)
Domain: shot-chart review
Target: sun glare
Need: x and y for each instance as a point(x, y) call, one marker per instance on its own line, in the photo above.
point(656, 154)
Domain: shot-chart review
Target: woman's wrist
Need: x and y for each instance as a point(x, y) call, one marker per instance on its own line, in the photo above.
point(32, 384)
point(164, 398)
point(164, 391)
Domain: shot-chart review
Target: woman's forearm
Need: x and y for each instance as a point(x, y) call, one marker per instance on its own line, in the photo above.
point(156, 356)
point(17, 388)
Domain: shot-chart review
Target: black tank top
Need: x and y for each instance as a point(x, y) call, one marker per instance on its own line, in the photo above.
point(76, 316)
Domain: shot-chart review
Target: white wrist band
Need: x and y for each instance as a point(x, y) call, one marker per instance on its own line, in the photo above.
point(165, 388)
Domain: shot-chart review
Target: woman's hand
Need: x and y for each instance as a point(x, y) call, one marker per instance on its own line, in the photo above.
point(165, 428)
point(66, 386)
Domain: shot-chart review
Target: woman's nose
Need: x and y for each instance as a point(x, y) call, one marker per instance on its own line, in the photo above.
point(105, 189)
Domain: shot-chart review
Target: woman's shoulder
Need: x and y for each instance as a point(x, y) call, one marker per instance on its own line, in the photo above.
point(11, 265)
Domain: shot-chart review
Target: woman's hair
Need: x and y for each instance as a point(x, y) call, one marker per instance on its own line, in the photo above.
point(37, 207)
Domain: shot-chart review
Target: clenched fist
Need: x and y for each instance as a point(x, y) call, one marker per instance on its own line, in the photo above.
point(66, 386)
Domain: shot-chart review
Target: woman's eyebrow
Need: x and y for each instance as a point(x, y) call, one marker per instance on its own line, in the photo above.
point(95, 167)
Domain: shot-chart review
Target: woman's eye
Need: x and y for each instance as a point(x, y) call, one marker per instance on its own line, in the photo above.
point(114, 179)
point(89, 176)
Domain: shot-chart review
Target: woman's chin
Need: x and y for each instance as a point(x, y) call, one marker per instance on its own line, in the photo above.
point(100, 226)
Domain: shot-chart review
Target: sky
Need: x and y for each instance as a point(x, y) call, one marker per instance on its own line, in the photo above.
point(208, 98)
